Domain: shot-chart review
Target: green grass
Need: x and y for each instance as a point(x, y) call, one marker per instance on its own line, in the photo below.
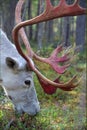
point(60, 111)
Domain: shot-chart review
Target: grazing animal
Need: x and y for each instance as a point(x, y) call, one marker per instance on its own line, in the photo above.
point(16, 78)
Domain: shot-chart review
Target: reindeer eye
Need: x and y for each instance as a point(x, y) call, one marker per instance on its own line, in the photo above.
point(27, 82)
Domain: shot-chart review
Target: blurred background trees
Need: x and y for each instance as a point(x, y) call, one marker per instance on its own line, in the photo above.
point(63, 110)
point(67, 29)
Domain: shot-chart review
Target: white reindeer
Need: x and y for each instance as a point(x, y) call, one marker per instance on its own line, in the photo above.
point(16, 79)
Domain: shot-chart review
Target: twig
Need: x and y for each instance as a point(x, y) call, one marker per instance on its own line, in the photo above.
point(9, 124)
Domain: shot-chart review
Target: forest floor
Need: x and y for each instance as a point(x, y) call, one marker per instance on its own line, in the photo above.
point(60, 111)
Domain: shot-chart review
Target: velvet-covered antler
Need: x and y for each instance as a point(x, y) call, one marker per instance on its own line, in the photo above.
point(50, 12)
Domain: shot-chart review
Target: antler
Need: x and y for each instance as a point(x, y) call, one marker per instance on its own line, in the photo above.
point(50, 12)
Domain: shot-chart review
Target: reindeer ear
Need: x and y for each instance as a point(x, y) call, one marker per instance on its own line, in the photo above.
point(12, 63)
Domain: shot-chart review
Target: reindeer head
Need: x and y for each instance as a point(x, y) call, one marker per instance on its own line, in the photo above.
point(16, 78)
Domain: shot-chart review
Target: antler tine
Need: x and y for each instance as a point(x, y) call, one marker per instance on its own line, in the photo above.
point(50, 13)
point(48, 4)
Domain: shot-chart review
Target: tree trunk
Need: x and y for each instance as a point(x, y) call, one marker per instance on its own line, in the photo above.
point(49, 28)
point(72, 33)
point(40, 27)
point(36, 32)
point(9, 18)
point(66, 28)
point(80, 28)
point(30, 16)
point(1, 20)
point(66, 31)
point(60, 29)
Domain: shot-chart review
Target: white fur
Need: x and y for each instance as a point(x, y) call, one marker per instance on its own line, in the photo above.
point(12, 80)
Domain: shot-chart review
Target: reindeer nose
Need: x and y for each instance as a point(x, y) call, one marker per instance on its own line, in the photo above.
point(27, 82)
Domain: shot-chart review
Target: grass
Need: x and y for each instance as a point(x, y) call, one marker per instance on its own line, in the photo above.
point(60, 111)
